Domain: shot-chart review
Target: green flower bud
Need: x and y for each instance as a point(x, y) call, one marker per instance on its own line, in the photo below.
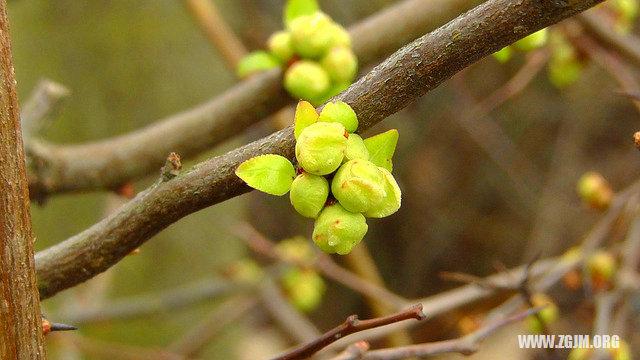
point(533, 41)
point(355, 149)
point(304, 288)
point(306, 80)
point(312, 35)
point(594, 190)
point(392, 199)
point(255, 62)
point(279, 44)
point(309, 194)
point(547, 315)
point(340, 36)
point(296, 249)
point(341, 64)
point(358, 185)
point(602, 267)
point(337, 230)
point(340, 112)
point(320, 147)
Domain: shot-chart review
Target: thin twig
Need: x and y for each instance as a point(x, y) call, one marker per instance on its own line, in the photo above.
point(144, 305)
point(217, 31)
point(465, 345)
point(627, 45)
point(292, 321)
point(324, 264)
point(350, 326)
point(197, 338)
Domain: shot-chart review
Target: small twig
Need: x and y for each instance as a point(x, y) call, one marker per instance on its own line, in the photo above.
point(353, 351)
point(298, 326)
point(42, 106)
point(627, 45)
point(144, 305)
point(324, 264)
point(112, 350)
point(196, 339)
point(465, 345)
point(217, 31)
point(350, 326)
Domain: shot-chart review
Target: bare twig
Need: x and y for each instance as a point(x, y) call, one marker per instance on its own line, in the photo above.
point(217, 31)
point(324, 264)
point(42, 106)
point(63, 168)
point(408, 74)
point(144, 305)
point(627, 45)
point(298, 326)
point(196, 339)
point(465, 345)
point(350, 326)
point(111, 350)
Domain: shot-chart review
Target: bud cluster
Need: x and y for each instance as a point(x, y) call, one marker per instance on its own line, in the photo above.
point(340, 180)
point(315, 51)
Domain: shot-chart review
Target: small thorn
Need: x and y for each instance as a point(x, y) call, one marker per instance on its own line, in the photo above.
point(62, 327)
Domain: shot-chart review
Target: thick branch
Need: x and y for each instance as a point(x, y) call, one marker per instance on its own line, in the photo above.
point(111, 162)
point(406, 75)
point(20, 320)
point(350, 326)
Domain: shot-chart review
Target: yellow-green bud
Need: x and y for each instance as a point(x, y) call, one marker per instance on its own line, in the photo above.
point(304, 287)
point(580, 354)
point(341, 64)
point(312, 35)
point(355, 149)
point(358, 185)
point(340, 112)
point(392, 199)
point(602, 265)
point(337, 230)
point(594, 190)
point(279, 45)
point(309, 194)
point(533, 41)
point(320, 147)
point(340, 36)
point(296, 249)
point(547, 315)
point(306, 80)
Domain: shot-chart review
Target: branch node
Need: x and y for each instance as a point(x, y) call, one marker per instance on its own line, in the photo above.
point(171, 167)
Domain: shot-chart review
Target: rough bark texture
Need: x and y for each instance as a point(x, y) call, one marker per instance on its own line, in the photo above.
point(20, 322)
point(406, 75)
point(111, 162)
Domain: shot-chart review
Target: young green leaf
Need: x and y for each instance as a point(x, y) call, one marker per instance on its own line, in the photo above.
point(305, 115)
point(269, 173)
point(297, 8)
point(255, 62)
point(381, 148)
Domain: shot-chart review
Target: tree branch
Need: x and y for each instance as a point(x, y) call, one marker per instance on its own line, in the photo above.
point(108, 163)
point(406, 75)
point(350, 326)
point(20, 320)
point(465, 345)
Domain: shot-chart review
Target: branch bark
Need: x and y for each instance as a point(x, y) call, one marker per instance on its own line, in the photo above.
point(406, 75)
point(20, 321)
point(111, 162)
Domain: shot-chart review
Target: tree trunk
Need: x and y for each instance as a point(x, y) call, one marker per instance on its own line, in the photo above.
point(20, 320)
